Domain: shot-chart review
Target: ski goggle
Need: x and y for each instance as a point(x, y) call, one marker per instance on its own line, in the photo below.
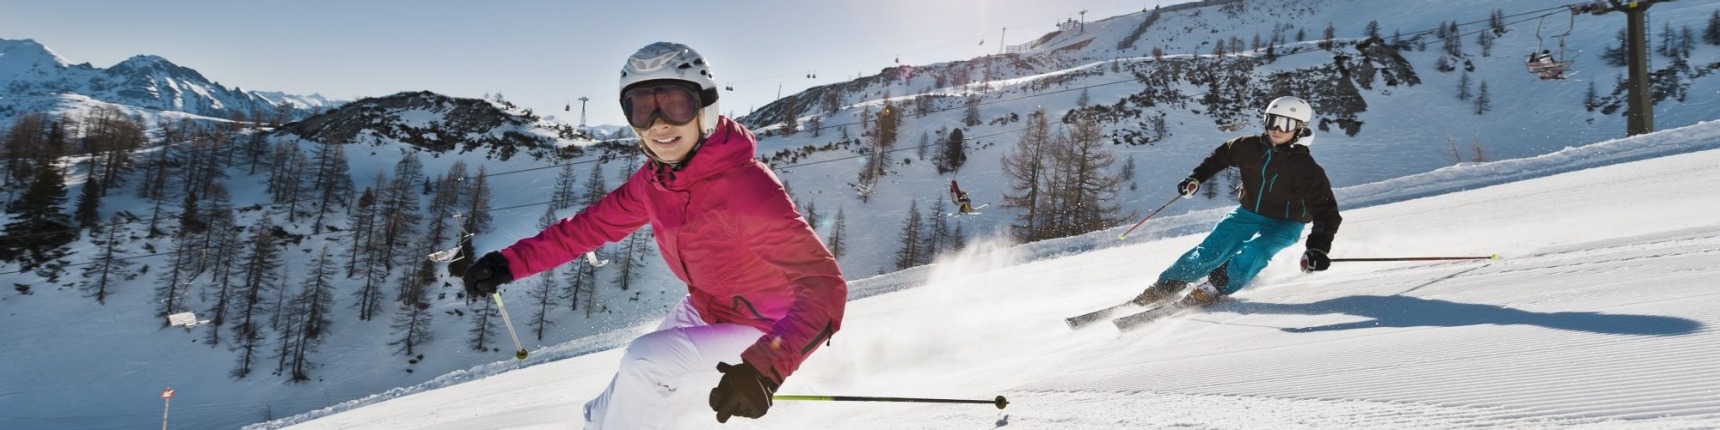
point(676, 103)
point(1283, 123)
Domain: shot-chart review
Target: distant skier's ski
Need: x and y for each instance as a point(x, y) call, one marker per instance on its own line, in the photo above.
point(974, 211)
point(1138, 319)
point(1082, 320)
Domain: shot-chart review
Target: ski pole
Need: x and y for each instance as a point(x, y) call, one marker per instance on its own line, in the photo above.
point(1149, 216)
point(1494, 257)
point(519, 351)
point(1000, 402)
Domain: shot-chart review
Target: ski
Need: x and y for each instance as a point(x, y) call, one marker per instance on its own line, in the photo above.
point(974, 212)
point(1078, 321)
point(1137, 319)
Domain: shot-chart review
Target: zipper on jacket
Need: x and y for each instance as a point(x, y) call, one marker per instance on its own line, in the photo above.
point(738, 301)
point(820, 338)
point(1262, 192)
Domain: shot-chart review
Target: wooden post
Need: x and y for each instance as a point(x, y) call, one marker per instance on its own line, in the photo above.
point(166, 401)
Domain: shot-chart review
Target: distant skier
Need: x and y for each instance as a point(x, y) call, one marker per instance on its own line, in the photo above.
point(961, 198)
point(763, 292)
point(1283, 188)
point(1544, 66)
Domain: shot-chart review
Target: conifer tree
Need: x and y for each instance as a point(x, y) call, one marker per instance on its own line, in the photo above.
point(249, 307)
point(411, 327)
point(566, 192)
point(312, 306)
point(1483, 102)
point(1712, 33)
point(1025, 169)
point(838, 232)
point(911, 237)
point(40, 227)
point(1463, 87)
point(176, 279)
point(109, 267)
point(580, 286)
point(937, 232)
point(483, 315)
point(88, 212)
point(1088, 193)
point(543, 295)
point(223, 243)
point(332, 181)
point(790, 116)
point(636, 253)
point(953, 153)
point(595, 187)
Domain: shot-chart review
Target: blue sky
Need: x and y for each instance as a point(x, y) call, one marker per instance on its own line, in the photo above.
point(538, 54)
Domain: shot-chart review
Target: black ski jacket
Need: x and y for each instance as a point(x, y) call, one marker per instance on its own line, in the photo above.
point(1284, 183)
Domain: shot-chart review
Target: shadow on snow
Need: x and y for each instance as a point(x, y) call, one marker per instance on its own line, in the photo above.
point(1405, 311)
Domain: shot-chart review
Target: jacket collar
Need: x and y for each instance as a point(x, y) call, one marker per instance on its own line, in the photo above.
point(731, 144)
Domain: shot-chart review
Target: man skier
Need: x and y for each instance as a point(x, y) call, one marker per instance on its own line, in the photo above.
point(1283, 188)
point(763, 291)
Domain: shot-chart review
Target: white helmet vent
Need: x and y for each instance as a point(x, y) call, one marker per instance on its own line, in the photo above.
point(653, 63)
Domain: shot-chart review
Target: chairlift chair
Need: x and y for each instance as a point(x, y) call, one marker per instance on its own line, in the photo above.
point(1542, 63)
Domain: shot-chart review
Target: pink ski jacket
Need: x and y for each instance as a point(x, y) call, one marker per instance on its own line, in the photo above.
point(726, 227)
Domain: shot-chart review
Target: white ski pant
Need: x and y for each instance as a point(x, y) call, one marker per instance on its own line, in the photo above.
point(681, 355)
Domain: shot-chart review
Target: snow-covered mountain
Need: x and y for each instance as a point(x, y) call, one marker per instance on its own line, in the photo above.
point(1400, 131)
point(440, 123)
point(33, 78)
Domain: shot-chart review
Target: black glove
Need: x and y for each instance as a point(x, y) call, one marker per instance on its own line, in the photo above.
point(742, 392)
point(1314, 260)
point(485, 275)
point(1188, 186)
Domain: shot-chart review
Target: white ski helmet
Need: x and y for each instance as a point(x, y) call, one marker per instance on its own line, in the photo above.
point(674, 61)
point(1293, 108)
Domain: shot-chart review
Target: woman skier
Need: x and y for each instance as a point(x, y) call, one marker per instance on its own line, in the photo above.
point(763, 291)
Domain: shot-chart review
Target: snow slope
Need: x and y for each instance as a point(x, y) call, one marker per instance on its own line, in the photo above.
point(1597, 317)
point(82, 365)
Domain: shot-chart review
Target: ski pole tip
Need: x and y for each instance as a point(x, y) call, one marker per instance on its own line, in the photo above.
point(1495, 257)
point(1122, 236)
point(1001, 402)
point(520, 354)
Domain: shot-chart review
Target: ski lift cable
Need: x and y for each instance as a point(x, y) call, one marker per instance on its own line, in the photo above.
point(554, 166)
point(1513, 23)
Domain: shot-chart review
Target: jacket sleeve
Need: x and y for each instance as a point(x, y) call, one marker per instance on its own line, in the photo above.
point(610, 219)
point(776, 233)
point(1214, 163)
point(1322, 210)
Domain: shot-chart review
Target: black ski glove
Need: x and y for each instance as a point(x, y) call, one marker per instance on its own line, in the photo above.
point(1188, 186)
point(742, 392)
point(1314, 260)
point(485, 275)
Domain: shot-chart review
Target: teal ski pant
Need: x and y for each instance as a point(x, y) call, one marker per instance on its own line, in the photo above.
point(1244, 239)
